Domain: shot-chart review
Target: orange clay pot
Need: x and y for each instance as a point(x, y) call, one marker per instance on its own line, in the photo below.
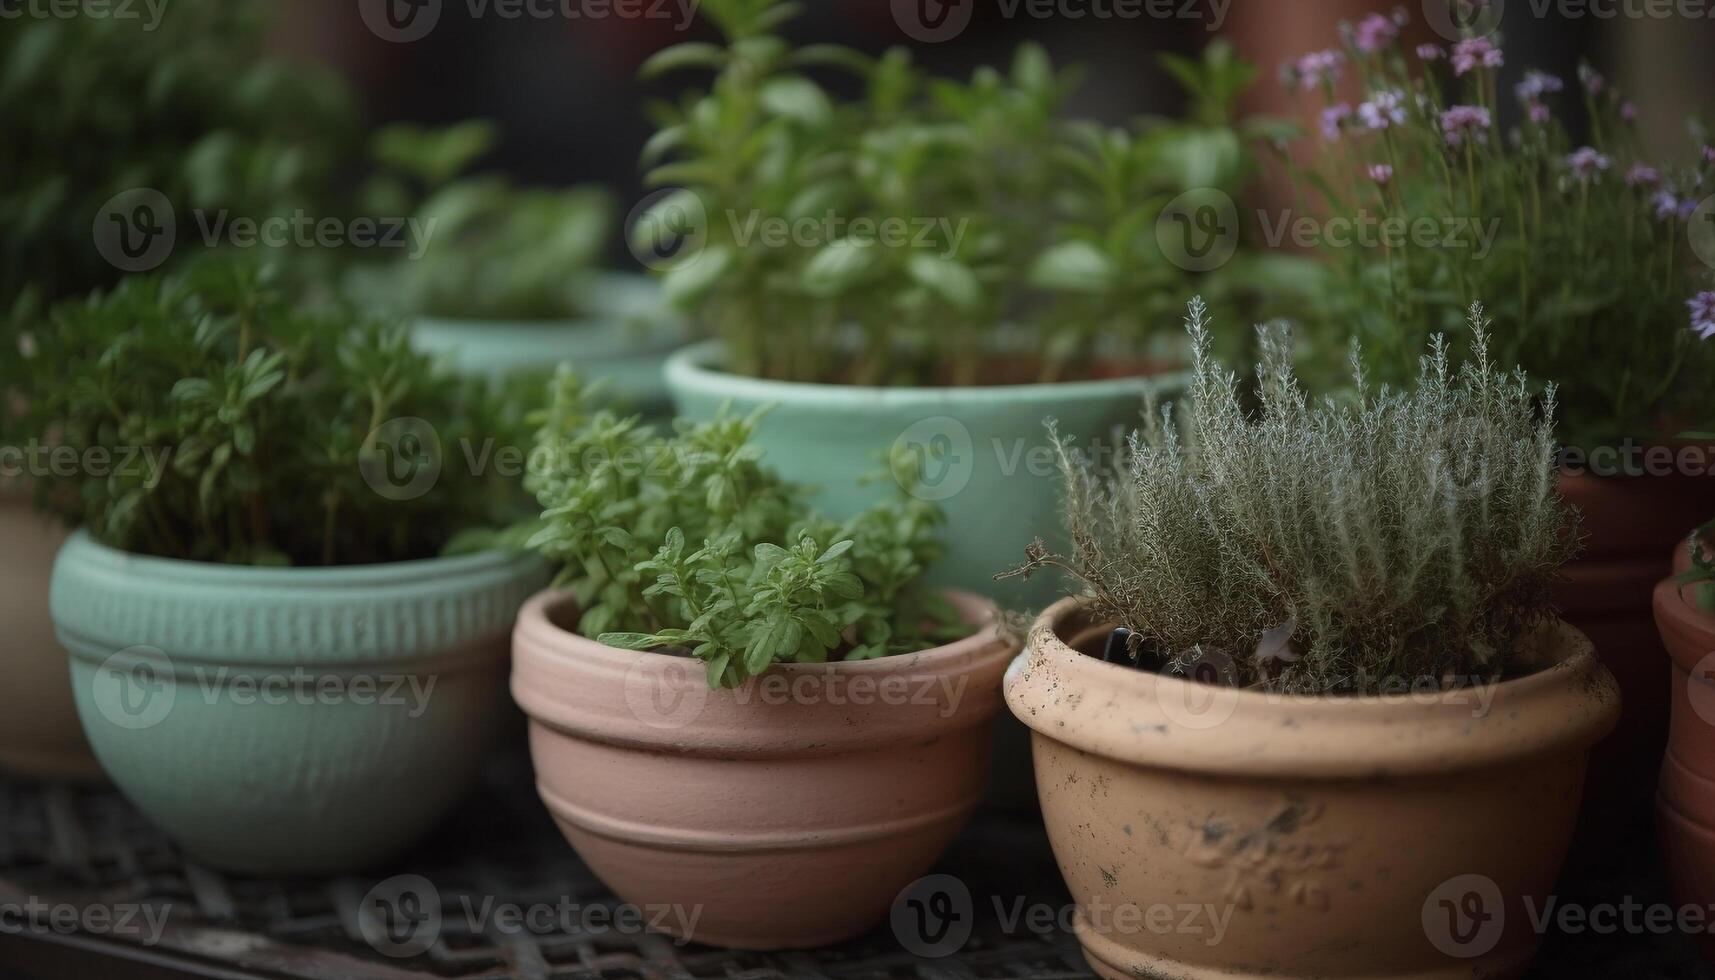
point(786, 814)
point(1630, 526)
point(1391, 836)
point(1685, 804)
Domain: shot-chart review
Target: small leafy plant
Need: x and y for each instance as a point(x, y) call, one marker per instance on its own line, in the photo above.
point(1331, 547)
point(1701, 575)
point(492, 250)
point(929, 231)
point(1579, 252)
point(688, 543)
point(204, 415)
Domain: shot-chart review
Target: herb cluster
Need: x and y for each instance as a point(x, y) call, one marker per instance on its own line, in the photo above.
point(1590, 271)
point(1701, 575)
point(493, 250)
point(687, 542)
point(213, 418)
point(929, 231)
point(1335, 546)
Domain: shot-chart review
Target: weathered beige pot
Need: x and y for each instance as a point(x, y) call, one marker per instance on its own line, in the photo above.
point(40, 736)
point(786, 814)
point(1394, 836)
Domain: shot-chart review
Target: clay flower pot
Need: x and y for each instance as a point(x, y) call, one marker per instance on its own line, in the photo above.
point(623, 342)
point(1685, 805)
point(39, 733)
point(1630, 526)
point(788, 813)
point(1388, 836)
point(285, 720)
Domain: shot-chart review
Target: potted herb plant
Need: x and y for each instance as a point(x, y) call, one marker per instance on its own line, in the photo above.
point(508, 279)
point(1339, 705)
point(1685, 806)
point(931, 267)
point(737, 706)
point(269, 653)
point(1585, 256)
point(216, 126)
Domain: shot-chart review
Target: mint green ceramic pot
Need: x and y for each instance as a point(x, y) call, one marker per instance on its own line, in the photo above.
point(289, 721)
point(622, 343)
point(983, 452)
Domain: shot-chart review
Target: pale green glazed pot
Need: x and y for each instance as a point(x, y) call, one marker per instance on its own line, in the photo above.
point(289, 721)
point(985, 455)
point(623, 343)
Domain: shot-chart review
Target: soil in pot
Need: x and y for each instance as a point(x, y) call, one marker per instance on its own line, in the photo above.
point(285, 720)
point(1292, 836)
point(788, 813)
point(1685, 804)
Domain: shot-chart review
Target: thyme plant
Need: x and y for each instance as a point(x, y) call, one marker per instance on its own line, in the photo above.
point(928, 231)
point(1701, 575)
point(1336, 546)
point(493, 250)
point(1580, 252)
point(688, 543)
point(203, 415)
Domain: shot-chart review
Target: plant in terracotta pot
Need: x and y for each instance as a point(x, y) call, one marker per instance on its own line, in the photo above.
point(1339, 704)
point(1512, 213)
point(507, 278)
point(932, 266)
point(738, 707)
point(1685, 807)
point(269, 653)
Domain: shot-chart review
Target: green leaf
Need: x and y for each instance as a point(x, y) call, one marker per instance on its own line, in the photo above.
point(690, 54)
point(950, 280)
point(840, 266)
point(1073, 266)
point(797, 98)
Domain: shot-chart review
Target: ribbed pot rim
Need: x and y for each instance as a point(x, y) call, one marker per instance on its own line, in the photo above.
point(1139, 717)
point(1687, 631)
point(695, 368)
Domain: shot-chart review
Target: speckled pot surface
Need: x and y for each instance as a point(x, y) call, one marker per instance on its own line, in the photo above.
point(39, 733)
point(786, 814)
point(623, 343)
point(1392, 836)
point(1685, 804)
point(289, 721)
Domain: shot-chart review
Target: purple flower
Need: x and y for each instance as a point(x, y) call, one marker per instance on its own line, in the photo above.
point(1642, 175)
point(1317, 67)
point(1586, 162)
point(1333, 118)
point(1592, 80)
point(1465, 121)
point(1384, 109)
point(1709, 154)
point(1430, 52)
point(1381, 173)
point(1628, 112)
point(1374, 33)
point(1475, 52)
point(1537, 84)
point(1703, 314)
point(1539, 113)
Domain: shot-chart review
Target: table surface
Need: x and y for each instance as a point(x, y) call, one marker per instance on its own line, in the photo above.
point(87, 848)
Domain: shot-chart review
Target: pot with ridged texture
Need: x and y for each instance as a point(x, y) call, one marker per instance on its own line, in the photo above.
point(289, 720)
point(787, 813)
point(1685, 802)
point(1385, 836)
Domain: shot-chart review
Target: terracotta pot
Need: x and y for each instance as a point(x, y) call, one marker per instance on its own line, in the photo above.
point(786, 814)
point(39, 733)
point(299, 721)
point(1631, 525)
point(1390, 836)
point(1685, 804)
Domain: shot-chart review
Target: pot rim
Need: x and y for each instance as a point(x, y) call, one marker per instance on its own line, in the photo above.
point(693, 367)
point(103, 557)
point(1570, 704)
point(1687, 631)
